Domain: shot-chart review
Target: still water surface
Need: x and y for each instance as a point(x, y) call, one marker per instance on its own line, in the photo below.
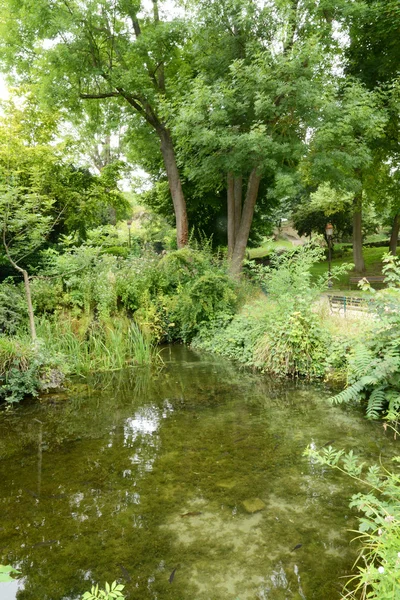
point(186, 484)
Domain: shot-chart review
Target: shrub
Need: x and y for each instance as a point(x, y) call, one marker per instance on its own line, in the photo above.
point(26, 369)
point(13, 309)
point(47, 295)
point(117, 251)
point(294, 345)
point(197, 302)
point(232, 336)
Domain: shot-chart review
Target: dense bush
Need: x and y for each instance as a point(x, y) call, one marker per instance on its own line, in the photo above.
point(169, 296)
point(233, 336)
point(26, 369)
point(13, 309)
point(281, 334)
point(293, 345)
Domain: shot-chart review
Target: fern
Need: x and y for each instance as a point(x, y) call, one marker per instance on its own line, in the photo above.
point(393, 398)
point(361, 361)
point(353, 392)
point(376, 402)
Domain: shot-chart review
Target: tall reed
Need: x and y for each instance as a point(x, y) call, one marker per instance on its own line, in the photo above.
point(98, 346)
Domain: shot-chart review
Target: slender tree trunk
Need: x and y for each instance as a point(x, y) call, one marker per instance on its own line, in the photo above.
point(357, 235)
point(175, 186)
point(238, 191)
point(27, 288)
point(242, 235)
point(231, 213)
point(30, 306)
point(395, 234)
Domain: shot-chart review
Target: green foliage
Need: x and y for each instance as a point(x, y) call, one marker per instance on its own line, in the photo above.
point(197, 302)
point(5, 573)
point(111, 592)
point(379, 560)
point(169, 296)
point(117, 251)
point(88, 345)
point(26, 369)
point(293, 345)
point(281, 334)
point(294, 342)
point(374, 364)
point(42, 195)
point(340, 150)
point(12, 308)
point(46, 294)
point(234, 337)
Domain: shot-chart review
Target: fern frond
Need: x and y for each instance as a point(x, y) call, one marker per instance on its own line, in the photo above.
point(361, 361)
point(353, 392)
point(349, 394)
point(376, 402)
point(393, 397)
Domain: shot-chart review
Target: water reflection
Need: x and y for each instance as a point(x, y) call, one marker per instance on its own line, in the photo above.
point(195, 471)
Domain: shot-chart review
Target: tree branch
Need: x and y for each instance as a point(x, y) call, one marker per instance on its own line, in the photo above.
point(99, 96)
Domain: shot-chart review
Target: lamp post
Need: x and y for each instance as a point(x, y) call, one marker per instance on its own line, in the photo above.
point(129, 223)
point(329, 234)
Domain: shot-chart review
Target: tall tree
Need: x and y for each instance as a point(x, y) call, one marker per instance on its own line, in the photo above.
point(97, 50)
point(244, 116)
point(340, 152)
point(373, 57)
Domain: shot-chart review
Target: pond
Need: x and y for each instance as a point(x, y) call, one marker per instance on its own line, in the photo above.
point(187, 483)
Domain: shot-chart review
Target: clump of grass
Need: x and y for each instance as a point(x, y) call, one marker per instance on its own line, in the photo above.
point(98, 346)
point(14, 353)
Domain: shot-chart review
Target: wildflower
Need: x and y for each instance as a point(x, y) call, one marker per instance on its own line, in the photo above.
point(380, 531)
point(381, 570)
point(389, 519)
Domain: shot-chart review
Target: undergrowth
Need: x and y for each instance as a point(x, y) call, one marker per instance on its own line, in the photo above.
point(90, 345)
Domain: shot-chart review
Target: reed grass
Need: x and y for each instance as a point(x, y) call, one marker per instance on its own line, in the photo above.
point(99, 346)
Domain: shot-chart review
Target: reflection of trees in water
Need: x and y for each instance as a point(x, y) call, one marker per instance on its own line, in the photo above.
point(105, 466)
point(99, 513)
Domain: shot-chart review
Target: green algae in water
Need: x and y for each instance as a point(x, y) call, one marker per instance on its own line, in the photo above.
point(144, 477)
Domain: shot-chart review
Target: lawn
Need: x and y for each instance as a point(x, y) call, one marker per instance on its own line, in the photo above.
point(373, 264)
point(269, 246)
point(372, 258)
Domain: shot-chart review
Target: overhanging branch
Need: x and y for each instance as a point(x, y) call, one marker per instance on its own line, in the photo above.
point(99, 96)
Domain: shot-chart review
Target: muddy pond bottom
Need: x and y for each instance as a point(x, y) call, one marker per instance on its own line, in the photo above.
point(188, 483)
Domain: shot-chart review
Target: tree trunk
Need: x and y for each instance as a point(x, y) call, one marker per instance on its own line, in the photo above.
point(27, 288)
point(394, 236)
point(230, 213)
point(238, 191)
point(242, 235)
point(357, 236)
point(30, 306)
point(175, 186)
